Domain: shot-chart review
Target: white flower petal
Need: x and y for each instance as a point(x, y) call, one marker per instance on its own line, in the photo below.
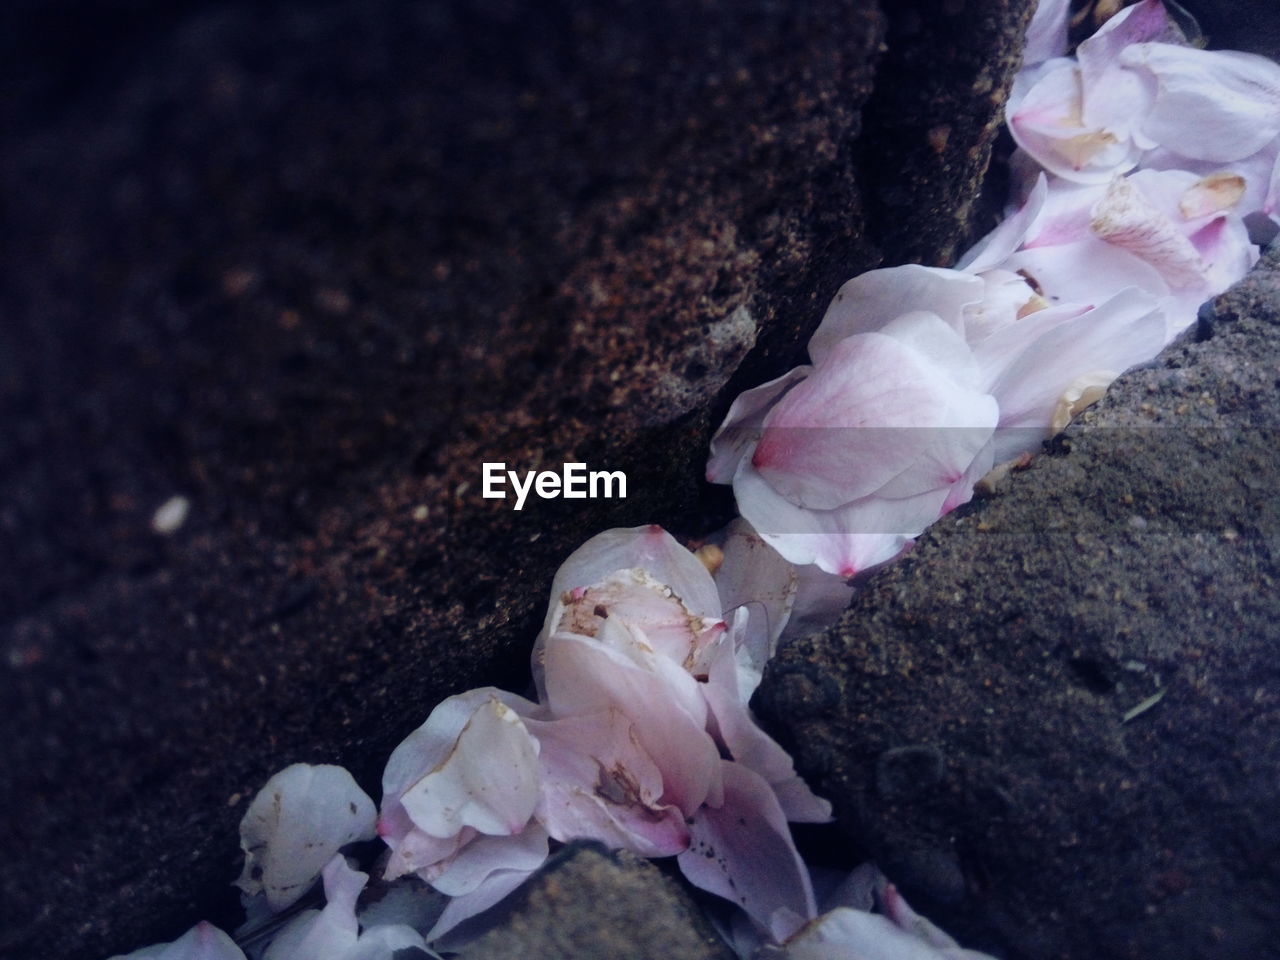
point(294, 826)
point(489, 780)
point(870, 301)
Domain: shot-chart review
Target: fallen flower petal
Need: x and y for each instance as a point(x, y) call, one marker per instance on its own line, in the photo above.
point(296, 823)
point(204, 941)
point(742, 850)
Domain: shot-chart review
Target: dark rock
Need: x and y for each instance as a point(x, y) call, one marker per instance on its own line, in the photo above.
point(591, 902)
point(1027, 637)
point(932, 120)
point(309, 265)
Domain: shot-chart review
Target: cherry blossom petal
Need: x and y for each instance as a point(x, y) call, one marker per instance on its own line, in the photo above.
point(755, 576)
point(1048, 123)
point(1128, 329)
point(526, 853)
point(742, 851)
point(327, 934)
point(737, 436)
point(858, 421)
point(1218, 105)
point(1086, 272)
point(294, 826)
point(871, 301)
point(599, 784)
point(755, 749)
point(1124, 217)
point(614, 671)
point(844, 541)
point(204, 941)
point(487, 780)
point(487, 855)
point(1047, 34)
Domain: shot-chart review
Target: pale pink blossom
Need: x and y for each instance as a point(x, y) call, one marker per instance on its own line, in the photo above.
point(1047, 33)
point(1083, 119)
point(1170, 233)
point(458, 802)
point(842, 463)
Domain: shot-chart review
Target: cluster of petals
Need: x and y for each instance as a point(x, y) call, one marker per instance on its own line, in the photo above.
point(640, 738)
point(921, 379)
point(1137, 95)
point(1142, 156)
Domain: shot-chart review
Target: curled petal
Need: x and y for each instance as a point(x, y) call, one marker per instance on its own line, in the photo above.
point(755, 749)
point(996, 247)
point(296, 823)
point(327, 934)
point(522, 855)
point(486, 855)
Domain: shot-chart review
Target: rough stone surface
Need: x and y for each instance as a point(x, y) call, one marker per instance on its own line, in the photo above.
point(968, 715)
point(308, 264)
point(932, 120)
point(591, 902)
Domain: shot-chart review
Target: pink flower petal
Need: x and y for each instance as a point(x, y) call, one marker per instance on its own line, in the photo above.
point(599, 784)
point(743, 851)
point(755, 576)
point(495, 885)
point(756, 750)
point(845, 541)
point(858, 421)
point(737, 436)
point(614, 671)
point(1047, 34)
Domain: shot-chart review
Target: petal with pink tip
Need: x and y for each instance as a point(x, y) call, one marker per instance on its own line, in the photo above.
point(854, 424)
point(845, 541)
point(737, 436)
point(204, 941)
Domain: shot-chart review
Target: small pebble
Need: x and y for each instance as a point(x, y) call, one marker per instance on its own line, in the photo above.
point(171, 515)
